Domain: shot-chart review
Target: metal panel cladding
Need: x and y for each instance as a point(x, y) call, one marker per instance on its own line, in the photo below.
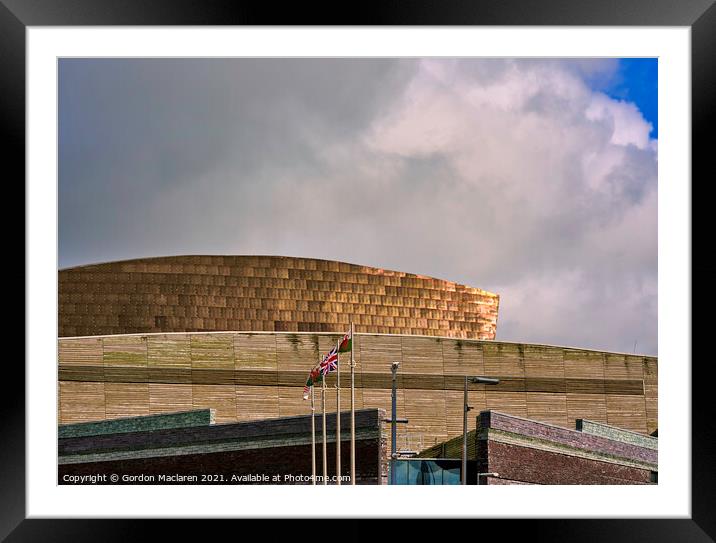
point(266, 293)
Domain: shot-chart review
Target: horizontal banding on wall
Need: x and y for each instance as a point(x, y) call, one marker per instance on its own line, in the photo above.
point(363, 380)
point(255, 375)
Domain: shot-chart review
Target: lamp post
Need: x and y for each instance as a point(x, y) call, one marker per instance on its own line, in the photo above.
point(466, 408)
point(394, 426)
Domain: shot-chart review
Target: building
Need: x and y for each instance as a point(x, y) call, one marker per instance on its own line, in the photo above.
point(515, 450)
point(266, 293)
point(189, 448)
point(239, 335)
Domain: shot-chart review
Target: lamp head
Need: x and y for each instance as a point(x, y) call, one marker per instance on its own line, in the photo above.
point(485, 380)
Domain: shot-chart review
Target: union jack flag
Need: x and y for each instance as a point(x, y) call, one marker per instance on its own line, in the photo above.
point(330, 361)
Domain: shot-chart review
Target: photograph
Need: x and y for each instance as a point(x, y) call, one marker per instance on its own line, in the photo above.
point(357, 270)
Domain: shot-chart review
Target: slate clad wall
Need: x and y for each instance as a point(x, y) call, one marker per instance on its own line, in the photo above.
point(266, 293)
point(609, 432)
point(535, 432)
point(252, 376)
point(201, 417)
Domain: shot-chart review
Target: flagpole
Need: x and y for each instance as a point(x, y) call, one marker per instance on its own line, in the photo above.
point(325, 459)
point(353, 411)
point(338, 416)
point(313, 438)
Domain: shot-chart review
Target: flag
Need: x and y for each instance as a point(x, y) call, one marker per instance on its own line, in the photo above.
point(330, 361)
point(346, 343)
point(314, 377)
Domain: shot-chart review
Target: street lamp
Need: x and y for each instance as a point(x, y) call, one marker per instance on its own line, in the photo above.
point(493, 474)
point(466, 408)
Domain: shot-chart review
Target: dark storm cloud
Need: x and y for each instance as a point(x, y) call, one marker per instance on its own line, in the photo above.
point(140, 136)
point(511, 176)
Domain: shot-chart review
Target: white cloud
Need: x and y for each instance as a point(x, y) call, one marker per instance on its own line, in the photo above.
point(623, 119)
point(553, 200)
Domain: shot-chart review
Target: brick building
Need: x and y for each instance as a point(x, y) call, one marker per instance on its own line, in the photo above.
point(522, 451)
point(189, 448)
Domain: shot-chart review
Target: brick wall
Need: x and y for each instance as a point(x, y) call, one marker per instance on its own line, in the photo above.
point(528, 465)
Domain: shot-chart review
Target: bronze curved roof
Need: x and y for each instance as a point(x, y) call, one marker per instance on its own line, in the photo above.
point(266, 293)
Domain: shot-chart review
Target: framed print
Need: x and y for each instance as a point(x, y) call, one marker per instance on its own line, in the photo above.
point(172, 152)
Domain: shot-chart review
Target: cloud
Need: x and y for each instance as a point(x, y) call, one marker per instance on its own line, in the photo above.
point(513, 176)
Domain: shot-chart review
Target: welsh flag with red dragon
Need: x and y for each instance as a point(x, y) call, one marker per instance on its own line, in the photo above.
point(314, 378)
point(346, 343)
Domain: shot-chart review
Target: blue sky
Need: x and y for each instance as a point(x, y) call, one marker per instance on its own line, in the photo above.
point(636, 81)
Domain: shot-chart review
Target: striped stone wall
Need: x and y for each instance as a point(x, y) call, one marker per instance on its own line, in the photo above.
point(617, 434)
point(250, 376)
point(149, 423)
point(266, 293)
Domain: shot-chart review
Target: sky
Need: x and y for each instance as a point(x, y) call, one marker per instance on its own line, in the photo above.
point(532, 178)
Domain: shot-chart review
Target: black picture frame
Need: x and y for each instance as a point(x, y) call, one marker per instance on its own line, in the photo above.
point(699, 15)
